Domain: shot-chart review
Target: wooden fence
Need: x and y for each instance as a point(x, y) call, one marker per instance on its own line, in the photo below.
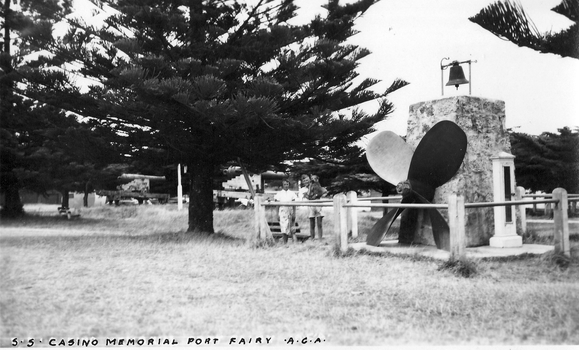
point(346, 207)
point(548, 211)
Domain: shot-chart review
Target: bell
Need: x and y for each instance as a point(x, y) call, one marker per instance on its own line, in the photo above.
point(456, 76)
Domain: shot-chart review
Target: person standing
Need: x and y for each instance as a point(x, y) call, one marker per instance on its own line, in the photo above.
point(304, 187)
point(316, 192)
point(286, 214)
point(312, 190)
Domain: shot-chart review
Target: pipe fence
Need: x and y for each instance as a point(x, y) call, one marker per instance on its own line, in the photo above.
point(520, 193)
point(346, 224)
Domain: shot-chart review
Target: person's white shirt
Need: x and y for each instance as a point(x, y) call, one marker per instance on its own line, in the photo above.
point(285, 196)
point(302, 193)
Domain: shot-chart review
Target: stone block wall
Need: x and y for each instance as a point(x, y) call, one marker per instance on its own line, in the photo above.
point(483, 121)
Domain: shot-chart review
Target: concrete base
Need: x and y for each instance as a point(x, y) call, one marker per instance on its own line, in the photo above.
point(393, 247)
point(513, 241)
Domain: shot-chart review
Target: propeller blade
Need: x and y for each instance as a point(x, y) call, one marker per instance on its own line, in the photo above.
point(440, 229)
point(439, 154)
point(389, 156)
point(408, 226)
point(382, 226)
point(424, 190)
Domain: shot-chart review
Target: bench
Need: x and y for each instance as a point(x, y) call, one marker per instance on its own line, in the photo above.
point(276, 231)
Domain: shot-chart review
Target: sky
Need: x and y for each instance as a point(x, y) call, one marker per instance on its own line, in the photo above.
point(409, 38)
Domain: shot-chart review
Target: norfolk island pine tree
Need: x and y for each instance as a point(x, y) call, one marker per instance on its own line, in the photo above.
point(203, 83)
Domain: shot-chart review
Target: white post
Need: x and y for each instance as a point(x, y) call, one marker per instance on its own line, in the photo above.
point(340, 225)
point(179, 188)
point(352, 214)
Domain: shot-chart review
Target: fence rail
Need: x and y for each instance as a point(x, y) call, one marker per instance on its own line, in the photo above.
point(508, 203)
point(297, 204)
point(345, 215)
point(397, 205)
point(571, 198)
point(547, 195)
point(379, 198)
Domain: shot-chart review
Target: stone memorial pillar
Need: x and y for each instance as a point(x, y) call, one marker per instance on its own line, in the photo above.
point(483, 121)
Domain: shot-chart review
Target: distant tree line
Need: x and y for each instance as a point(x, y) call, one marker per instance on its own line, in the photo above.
point(547, 161)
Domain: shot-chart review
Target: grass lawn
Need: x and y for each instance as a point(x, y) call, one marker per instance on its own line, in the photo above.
point(132, 271)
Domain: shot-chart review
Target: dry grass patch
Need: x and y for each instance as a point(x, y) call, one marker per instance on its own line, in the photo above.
point(153, 279)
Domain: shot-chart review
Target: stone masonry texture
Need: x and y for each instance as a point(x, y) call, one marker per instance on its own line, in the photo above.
point(483, 121)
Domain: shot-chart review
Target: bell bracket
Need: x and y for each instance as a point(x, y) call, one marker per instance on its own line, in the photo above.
point(455, 68)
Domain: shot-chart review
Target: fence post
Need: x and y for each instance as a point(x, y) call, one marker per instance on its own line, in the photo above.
point(352, 214)
point(256, 205)
point(261, 226)
point(340, 224)
point(456, 221)
point(561, 218)
point(519, 193)
point(258, 222)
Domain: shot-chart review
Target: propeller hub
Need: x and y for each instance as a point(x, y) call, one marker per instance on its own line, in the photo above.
point(404, 188)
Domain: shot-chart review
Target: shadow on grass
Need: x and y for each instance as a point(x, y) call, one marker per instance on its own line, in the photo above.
point(558, 260)
point(186, 237)
point(466, 268)
point(217, 238)
point(351, 253)
point(51, 221)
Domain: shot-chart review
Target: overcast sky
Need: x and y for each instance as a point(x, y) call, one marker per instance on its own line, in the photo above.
point(408, 39)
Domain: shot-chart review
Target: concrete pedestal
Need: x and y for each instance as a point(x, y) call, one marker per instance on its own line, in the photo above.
point(512, 241)
point(483, 121)
point(504, 191)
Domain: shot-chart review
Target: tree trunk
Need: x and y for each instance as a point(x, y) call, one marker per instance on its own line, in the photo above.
point(65, 199)
point(9, 181)
point(85, 197)
point(201, 197)
point(12, 203)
